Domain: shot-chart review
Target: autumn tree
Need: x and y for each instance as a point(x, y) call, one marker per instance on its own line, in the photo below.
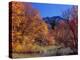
point(27, 28)
point(66, 31)
point(73, 23)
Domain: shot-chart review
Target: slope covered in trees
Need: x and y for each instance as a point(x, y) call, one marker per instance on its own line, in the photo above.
point(65, 27)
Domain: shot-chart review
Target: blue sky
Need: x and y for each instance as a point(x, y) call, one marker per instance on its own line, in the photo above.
point(49, 10)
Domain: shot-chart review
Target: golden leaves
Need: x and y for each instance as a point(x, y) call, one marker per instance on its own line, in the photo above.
point(27, 26)
point(18, 7)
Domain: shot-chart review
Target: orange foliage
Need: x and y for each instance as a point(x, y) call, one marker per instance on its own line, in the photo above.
point(27, 25)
